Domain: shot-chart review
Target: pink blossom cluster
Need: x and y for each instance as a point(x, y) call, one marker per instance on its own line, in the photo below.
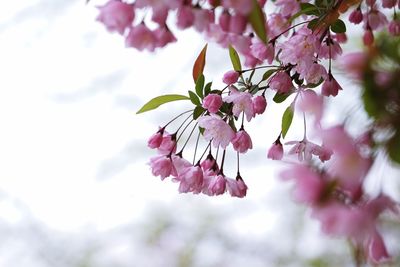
point(372, 15)
point(336, 196)
point(295, 46)
point(207, 176)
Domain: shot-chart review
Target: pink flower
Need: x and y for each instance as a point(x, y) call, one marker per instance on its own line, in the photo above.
point(160, 14)
point(259, 104)
point(368, 38)
point(224, 21)
point(263, 52)
point(377, 251)
point(164, 36)
point(116, 15)
point(375, 20)
point(179, 165)
point(310, 102)
point(185, 17)
point(236, 188)
point(202, 19)
point(161, 166)
point(312, 72)
point(237, 24)
point(288, 7)
point(212, 103)
point(217, 185)
point(330, 49)
point(300, 49)
point(341, 38)
point(242, 141)
point(250, 61)
point(305, 149)
point(394, 27)
point(308, 184)
point(330, 87)
point(340, 220)
point(241, 6)
point(348, 166)
point(156, 139)
point(209, 164)
point(241, 103)
point(277, 24)
point(281, 82)
point(356, 16)
point(216, 130)
point(141, 38)
point(231, 77)
point(354, 64)
point(276, 151)
point(168, 144)
point(191, 180)
point(388, 3)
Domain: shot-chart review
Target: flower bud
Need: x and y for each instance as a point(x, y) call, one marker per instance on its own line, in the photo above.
point(231, 77)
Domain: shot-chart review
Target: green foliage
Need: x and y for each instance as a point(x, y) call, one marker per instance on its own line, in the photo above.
point(235, 59)
point(194, 98)
point(279, 98)
point(199, 86)
point(287, 119)
point(198, 111)
point(159, 100)
point(268, 74)
point(207, 88)
point(338, 26)
point(257, 21)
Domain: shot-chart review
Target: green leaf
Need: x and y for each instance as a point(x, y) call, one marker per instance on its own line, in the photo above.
point(268, 74)
point(235, 59)
point(279, 98)
point(257, 21)
point(287, 120)
point(313, 23)
point(338, 26)
point(199, 64)
point(159, 100)
point(199, 86)
point(207, 88)
point(194, 98)
point(393, 148)
point(201, 130)
point(309, 9)
point(197, 112)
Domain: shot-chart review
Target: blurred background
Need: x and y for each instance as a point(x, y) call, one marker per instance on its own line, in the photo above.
point(75, 187)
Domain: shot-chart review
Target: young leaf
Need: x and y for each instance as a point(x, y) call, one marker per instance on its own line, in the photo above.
point(235, 59)
point(338, 26)
point(268, 74)
point(199, 86)
point(199, 64)
point(194, 98)
point(207, 88)
point(197, 112)
point(257, 21)
point(279, 98)
point(159, 100)
point(287, 120)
